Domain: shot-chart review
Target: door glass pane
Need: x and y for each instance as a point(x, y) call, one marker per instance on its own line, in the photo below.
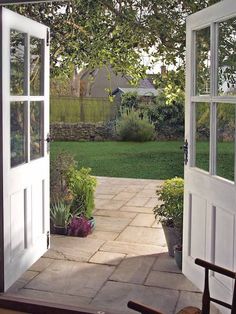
point(36, 129)
point(36, 66)
point(227, 58)
point(202, 135)
point(18, 78)
point(225, 140)
point(203, 61)
point(18, 133)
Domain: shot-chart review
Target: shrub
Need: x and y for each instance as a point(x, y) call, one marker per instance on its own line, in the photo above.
point(130, 100)
point(167, 118)
point(133, 126)
point(59, 167)
point(82, 186)
point(170, 212)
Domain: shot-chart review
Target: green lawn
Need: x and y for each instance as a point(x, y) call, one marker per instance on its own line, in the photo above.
point(150, 160)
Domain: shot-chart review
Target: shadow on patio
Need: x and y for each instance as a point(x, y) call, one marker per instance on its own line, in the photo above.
point(125, 258)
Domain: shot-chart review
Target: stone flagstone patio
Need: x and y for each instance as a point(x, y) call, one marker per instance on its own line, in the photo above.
point(125, 258)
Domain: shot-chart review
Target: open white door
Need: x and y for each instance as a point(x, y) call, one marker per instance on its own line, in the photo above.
point(210, 190)
point(24, 113)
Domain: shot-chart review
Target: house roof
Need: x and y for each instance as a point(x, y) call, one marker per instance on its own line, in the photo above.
point(138, 90)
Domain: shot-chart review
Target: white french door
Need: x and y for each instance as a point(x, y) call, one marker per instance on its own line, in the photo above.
point(210, 177)
point(25, 158)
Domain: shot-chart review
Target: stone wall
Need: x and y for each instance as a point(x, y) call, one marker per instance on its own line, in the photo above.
point(82, 131)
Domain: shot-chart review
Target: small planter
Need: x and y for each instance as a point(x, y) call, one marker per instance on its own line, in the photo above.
point(171, 238)
point(60, 230)
point(178, 255)
point(92, 223)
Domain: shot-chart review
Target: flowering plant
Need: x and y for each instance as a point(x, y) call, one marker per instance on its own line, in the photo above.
point(79, 227)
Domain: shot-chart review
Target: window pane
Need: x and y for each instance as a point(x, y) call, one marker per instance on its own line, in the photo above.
point(202, 135)
point(203, 61)
point(36, 130)
point(225, 140)
point(36, 66)
point(227, 58)
point(18, 133)
point(18, 71)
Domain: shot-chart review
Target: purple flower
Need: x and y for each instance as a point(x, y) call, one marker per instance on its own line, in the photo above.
point(79, 227)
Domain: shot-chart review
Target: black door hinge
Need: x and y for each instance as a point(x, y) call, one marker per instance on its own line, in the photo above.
point(186, 152)
point(48, 240)
point(185, 149)
point(48, 37)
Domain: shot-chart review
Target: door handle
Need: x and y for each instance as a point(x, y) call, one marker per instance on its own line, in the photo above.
point(49, 138)
point(185, 149)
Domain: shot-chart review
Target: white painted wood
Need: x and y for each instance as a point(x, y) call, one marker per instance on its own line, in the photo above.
point(26, 186)
point(210, 201)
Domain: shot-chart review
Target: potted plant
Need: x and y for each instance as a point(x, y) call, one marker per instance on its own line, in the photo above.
point(82, 186)
point(59, 215)
point(170, 211)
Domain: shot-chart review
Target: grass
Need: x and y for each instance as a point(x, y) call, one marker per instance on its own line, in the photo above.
point(149, 160)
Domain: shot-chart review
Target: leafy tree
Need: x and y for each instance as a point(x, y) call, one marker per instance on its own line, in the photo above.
point(93, 33)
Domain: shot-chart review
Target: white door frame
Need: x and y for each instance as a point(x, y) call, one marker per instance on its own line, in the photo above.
point(207, 186)
point(24, 176)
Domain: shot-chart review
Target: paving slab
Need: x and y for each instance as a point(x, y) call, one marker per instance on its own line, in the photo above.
point(133, 269)
point(137, 209)
point(22, 281)
point(107, 258)
point(192, 299)
point(73, 278)
point(132, 248)
point(170, 281)
point(166, 263)
point(143, 220)
point(73, 248)
point(114, 224)
point(54, 297)
point(143, 235)
point(124, 196)
point(134, 188)
point(152, 202)
point(115, 295)
point(41, 264)
point(104, 196)
point(109, 204)
point(113, 213)
point(147, 193)
point(138, 201)
point(103, 235)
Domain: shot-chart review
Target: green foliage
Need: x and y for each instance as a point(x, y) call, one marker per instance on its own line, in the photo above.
point(60, 164)
point(73, 110)
point(170, 212)
point(130, 100)
point(82, 186)
point(114, 32)
point(132, 126)
point(60, 213)
point(167, 118)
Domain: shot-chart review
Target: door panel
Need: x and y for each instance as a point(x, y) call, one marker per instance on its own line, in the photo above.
point(25, 121)
point(210, 190)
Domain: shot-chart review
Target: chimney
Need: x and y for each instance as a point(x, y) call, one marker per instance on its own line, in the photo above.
point(163, 70)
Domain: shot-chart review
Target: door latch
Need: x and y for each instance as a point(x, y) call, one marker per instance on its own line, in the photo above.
point(48, 240)
point(48, 140)
point(185, 149)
